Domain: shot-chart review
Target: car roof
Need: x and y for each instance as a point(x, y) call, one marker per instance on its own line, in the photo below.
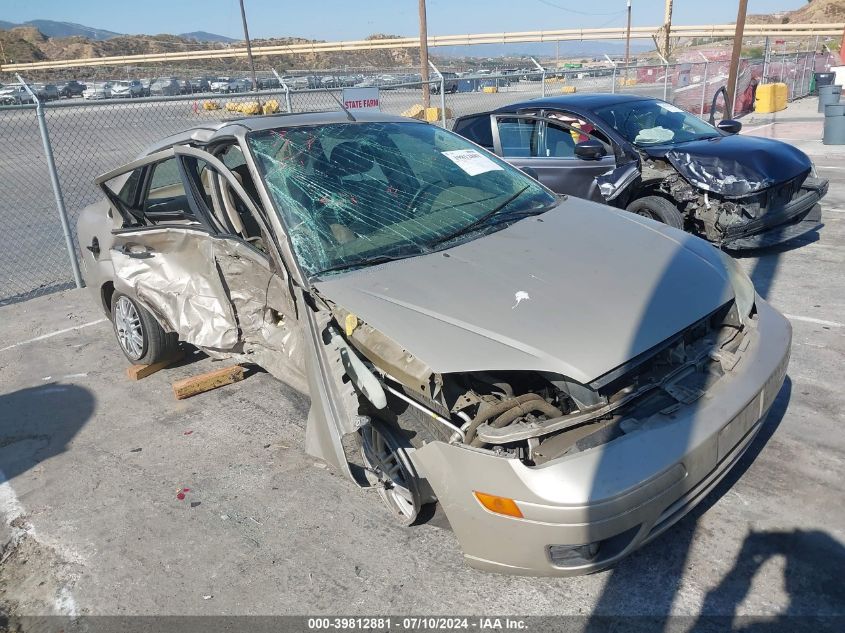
point(207, 132)
point(585, 101)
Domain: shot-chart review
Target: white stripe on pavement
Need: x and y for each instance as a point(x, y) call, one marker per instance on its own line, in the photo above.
point(51, 334)
point(793, 317)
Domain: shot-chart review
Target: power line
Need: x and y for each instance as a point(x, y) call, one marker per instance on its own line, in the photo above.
point(557, 6)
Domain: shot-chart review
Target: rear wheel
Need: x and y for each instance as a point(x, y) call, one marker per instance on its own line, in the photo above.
point(659, 209)
point(141, 338)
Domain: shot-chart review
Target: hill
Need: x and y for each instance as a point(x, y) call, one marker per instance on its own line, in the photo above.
point(814, 12)
point(51, 28)
point(205, 36)
point(24, 44)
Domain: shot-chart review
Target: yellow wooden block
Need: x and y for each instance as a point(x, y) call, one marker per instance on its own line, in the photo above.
point(770, 97)
point(490, 89)
point(137, 372)
point(416, 111)
point(567, 90)
point(188, 387)
point(210, 105)
point(433, 114)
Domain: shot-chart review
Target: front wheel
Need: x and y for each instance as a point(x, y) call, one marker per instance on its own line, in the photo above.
point(389, 469)
point(659, 209)
point(141, 338)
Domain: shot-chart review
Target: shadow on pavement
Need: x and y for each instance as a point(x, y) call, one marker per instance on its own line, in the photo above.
point(38, 423)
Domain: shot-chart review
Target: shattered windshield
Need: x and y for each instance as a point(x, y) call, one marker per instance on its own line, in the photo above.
point(654, 122)
point(352, 194)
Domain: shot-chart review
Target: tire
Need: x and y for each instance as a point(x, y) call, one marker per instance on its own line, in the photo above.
point(387, 463)
point(659, 209)
point(142, 340)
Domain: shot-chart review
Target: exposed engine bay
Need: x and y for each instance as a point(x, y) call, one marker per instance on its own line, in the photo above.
point(539, 416)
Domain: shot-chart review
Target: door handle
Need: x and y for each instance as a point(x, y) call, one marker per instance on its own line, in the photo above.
point(94, 247)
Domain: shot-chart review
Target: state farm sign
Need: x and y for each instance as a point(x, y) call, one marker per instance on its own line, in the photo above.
point(361, 98)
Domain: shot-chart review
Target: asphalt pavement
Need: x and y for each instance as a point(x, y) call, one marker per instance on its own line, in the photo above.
point(92, 465)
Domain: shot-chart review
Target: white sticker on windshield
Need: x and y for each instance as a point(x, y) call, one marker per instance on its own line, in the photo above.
point(670, 107)
point(471, 161)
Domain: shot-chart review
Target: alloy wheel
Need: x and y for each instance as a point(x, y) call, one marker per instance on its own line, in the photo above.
point(387, 469)
point(127, 326)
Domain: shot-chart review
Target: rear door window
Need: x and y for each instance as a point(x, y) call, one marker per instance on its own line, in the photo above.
point(166, 199)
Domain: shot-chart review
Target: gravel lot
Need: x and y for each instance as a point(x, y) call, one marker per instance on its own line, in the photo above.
point(93, 463)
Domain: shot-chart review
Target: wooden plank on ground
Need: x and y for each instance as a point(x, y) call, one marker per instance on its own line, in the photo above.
point(188, 387)
point(136, 372)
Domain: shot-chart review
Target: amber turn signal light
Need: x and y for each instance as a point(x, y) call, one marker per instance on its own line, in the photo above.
point(499, 505)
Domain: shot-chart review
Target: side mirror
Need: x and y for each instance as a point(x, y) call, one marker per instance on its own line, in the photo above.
point(530, 172)
point(590, 150)
point(730, 126)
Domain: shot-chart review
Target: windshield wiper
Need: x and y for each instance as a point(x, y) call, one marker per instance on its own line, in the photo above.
point(478, 221)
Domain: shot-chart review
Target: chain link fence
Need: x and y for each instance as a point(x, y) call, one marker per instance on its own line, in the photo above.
point(88, 138)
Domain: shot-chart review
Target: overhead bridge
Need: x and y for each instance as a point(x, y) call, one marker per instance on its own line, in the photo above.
point(559, 35)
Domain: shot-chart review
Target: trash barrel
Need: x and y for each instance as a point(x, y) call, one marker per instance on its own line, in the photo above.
point(821, 79)
point(829, 95)
point(834, 124)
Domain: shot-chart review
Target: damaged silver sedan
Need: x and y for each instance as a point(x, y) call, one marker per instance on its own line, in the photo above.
point(566, 379)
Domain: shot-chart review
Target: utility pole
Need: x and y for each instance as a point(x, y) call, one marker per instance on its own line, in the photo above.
point(628, 43)
point(841, 49)
point(667, 27)
point(426, 89)
point(248, 48)
point(735, 55)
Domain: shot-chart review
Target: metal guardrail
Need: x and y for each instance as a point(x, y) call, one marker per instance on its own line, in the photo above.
point(53, 151)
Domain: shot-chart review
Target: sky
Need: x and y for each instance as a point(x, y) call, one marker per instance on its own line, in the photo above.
point(349, 19)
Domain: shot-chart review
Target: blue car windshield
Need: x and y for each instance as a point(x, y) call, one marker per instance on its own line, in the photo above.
point(653, 122)
point(356, 193)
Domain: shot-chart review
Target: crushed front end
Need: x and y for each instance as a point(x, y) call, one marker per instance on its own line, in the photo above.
point(585, 474)
point(736, 207)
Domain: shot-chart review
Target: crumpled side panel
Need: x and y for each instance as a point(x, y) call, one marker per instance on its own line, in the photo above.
point(614, 182)
point(178, 281)
point(246, 279)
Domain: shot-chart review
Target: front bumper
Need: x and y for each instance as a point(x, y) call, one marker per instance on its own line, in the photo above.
point(798, 217)
point(620, 495)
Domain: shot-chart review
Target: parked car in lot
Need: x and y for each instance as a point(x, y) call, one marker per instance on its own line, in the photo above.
point(165, 86)
point(303, 82)
point(70, 89)
point(127, 89)
point(45, 92)
point(14, 94)
point(220, 84)
point(654, 159)
point(194, 85)
point(417, 287)
point(97, 90)
point(145, 86)
point(268, 83)
point(241, 84)
point(450, 83)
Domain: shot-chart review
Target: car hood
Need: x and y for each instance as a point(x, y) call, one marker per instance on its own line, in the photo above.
point(577, 291)
point(736, 165)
